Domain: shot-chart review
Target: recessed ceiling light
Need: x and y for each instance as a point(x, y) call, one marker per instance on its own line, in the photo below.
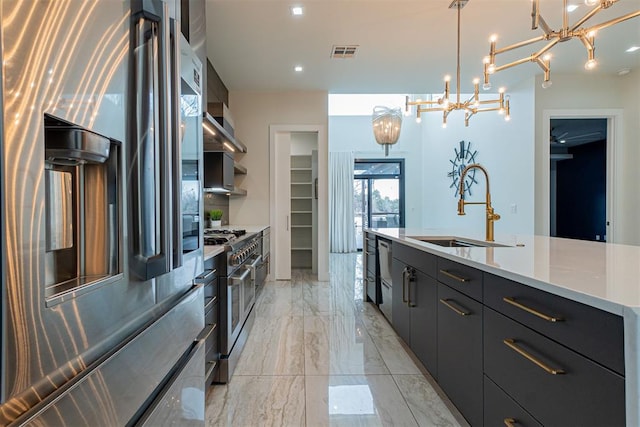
point(572, 7)
point(297, 10)
point(298, 68)
point(633, 49)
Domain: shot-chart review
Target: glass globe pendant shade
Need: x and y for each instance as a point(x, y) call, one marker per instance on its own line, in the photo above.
point(387, 123)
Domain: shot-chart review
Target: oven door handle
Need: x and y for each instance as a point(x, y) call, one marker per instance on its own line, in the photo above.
point(238, 280)
point(254, 265)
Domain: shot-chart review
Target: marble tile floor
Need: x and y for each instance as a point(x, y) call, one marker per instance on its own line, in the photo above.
point(317, 355)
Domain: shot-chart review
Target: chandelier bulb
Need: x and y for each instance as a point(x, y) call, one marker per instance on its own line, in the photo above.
point(486, 86)
point(444, 125)
point(591, 2)
point(546, 84)
point(590, 64)
point(493, 38)
point(418, 120)
point(491, 68)
point(507, 118)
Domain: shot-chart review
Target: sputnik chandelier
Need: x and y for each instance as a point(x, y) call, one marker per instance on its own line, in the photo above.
point(472, 105)
point(567, 32)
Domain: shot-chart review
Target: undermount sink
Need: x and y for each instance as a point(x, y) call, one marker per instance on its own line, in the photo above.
point(457, 242)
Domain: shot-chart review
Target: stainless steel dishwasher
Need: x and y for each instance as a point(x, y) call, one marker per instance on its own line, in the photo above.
point(386, 283)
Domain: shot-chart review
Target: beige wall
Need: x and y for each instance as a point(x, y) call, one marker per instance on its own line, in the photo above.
point(253, 113)
point(581, 93)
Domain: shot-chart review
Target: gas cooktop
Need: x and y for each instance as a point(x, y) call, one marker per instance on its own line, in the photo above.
point(214, 236)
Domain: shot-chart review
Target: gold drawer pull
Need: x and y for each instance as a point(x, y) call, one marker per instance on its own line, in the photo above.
point(453, 276)
point(455, 309)
point(511, 343)
point(510, 422)
point(530, 310)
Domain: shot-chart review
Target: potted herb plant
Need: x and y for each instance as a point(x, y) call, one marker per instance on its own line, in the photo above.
point(215, 218)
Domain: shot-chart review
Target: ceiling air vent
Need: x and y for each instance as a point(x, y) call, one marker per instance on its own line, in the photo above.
point(344, 51)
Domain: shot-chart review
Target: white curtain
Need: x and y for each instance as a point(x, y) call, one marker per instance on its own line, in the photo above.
point(342, 234)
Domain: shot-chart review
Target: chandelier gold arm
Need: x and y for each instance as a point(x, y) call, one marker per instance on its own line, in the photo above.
point(444, 104)
point(567, 32)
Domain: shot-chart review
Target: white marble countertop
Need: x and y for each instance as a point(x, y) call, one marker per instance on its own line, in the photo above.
point(602, 275)
point(212, 250)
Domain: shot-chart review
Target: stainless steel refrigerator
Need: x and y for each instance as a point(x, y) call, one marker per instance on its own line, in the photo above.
point(101, 240)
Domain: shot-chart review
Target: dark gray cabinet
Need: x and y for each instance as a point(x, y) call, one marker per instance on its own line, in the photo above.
point(218, 171)
point(403, 276)
point(415, 303)
point(460, 352)
point(211, 332)
point(370, 268)
point(423, 313)
point(558, 386)
point(594, 333)
point(501, 410)
point(506, 353)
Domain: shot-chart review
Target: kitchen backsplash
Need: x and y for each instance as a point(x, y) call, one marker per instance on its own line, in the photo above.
point(217, 201)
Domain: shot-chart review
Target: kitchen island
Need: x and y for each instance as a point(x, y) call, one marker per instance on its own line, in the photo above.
point(600, 276)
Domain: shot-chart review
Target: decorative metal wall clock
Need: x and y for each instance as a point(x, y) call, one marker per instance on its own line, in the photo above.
point(463, 157)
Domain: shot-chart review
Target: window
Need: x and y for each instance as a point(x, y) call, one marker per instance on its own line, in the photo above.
point(378, 191)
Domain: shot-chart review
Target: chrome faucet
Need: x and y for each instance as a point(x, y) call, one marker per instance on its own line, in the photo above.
point(491, 215)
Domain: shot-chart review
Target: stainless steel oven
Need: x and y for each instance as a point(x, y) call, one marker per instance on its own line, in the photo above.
point(237, 296)
point(236, 285)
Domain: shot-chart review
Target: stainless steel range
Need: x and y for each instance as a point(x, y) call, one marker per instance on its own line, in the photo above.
point(237, 292)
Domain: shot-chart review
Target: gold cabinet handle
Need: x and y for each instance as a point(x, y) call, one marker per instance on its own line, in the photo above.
point(453, 276)
point(455, 309)
point(510, 422)
point(511, 343)
point(513, 302)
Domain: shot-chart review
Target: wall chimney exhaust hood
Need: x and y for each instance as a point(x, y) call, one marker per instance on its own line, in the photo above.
point(216, 138)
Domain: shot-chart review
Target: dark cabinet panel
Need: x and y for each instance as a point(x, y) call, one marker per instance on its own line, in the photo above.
point(370, 269)
point(460, 352)
point(211, 331)
point(594, 333)
point(415, 312)
point(416, 258)
point(463, 278)
point(401, 319)
point(556, 385)
point(500, 409)
point(218, 170)
point(423, 298)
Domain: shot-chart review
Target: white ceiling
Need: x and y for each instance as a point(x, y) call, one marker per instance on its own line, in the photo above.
point(406, 46)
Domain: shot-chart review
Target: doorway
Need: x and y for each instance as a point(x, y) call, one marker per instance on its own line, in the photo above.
point(280, 206)
point(614, 179)
point(578, 178)
point(378, 195)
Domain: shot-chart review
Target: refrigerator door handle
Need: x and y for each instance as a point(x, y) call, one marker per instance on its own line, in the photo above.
point(150, 170)
point(175, 141)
